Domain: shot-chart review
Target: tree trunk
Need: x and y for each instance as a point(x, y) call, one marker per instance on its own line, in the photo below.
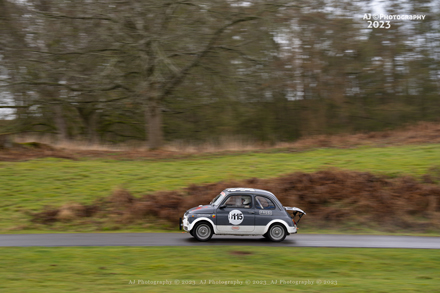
point(92, 130)
point(60, 123)
point(5, 141)
point(153, 114)
point(89, 117)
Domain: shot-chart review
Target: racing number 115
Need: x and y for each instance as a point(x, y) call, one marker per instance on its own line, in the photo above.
point(236, 216)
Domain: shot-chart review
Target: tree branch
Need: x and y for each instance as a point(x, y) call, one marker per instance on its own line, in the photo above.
point(78, 53)
point(62, 16)
point(73, 89)
point(13, 107)
point(178, 78)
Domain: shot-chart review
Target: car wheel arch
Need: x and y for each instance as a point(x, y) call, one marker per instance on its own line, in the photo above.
point(198, 220)
point(286, 227)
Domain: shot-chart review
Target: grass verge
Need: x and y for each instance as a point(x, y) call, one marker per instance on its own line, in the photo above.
point(28, 186)
point(260, 269)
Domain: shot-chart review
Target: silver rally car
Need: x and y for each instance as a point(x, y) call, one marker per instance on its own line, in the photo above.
point(242, 212)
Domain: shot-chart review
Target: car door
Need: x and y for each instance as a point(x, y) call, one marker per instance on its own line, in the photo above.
point(236, 214)
point(265, 211)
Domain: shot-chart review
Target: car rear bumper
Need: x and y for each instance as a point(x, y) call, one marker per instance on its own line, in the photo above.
point(291, 230)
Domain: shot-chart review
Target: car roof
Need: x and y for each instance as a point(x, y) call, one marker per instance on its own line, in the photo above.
point(255, 191)
point(249, 190)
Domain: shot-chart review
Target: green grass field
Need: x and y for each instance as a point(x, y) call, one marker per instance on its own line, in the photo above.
point(30, 185)
point(33, 184)
point(260, 269)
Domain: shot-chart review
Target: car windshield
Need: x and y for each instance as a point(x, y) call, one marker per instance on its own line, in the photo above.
point(216, 201)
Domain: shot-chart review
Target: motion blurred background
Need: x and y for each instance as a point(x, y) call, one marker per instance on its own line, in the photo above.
point(158, 72)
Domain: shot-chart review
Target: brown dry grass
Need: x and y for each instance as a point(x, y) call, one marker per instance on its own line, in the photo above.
point(423, 132)
point(331, 198)
point(33, 150)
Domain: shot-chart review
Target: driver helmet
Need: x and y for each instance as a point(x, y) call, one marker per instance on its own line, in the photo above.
point(246, 200)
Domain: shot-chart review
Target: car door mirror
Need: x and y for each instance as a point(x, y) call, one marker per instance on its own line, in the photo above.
point(222, 206)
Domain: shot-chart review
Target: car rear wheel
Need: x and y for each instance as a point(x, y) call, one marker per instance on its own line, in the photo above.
point(276, 233)
point(202, 232)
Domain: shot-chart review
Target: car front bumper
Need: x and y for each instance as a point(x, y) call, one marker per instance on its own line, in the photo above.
point(185, 224)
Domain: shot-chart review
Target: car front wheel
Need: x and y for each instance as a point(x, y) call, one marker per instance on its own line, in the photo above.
point(276, 233)
point(202, 232)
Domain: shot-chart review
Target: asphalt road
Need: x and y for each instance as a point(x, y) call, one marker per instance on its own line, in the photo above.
point(184, 239)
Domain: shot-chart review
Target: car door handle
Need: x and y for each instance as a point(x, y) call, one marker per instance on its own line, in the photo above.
point(251, 212)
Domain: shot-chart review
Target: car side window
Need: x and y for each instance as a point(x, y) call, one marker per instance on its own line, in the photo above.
point(239, 201)
point(263, 203)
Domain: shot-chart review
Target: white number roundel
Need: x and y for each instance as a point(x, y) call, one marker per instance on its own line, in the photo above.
point(235, 217)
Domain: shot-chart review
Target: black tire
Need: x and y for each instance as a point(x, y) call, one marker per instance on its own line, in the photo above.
point(202, 231)
point(276, 233)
